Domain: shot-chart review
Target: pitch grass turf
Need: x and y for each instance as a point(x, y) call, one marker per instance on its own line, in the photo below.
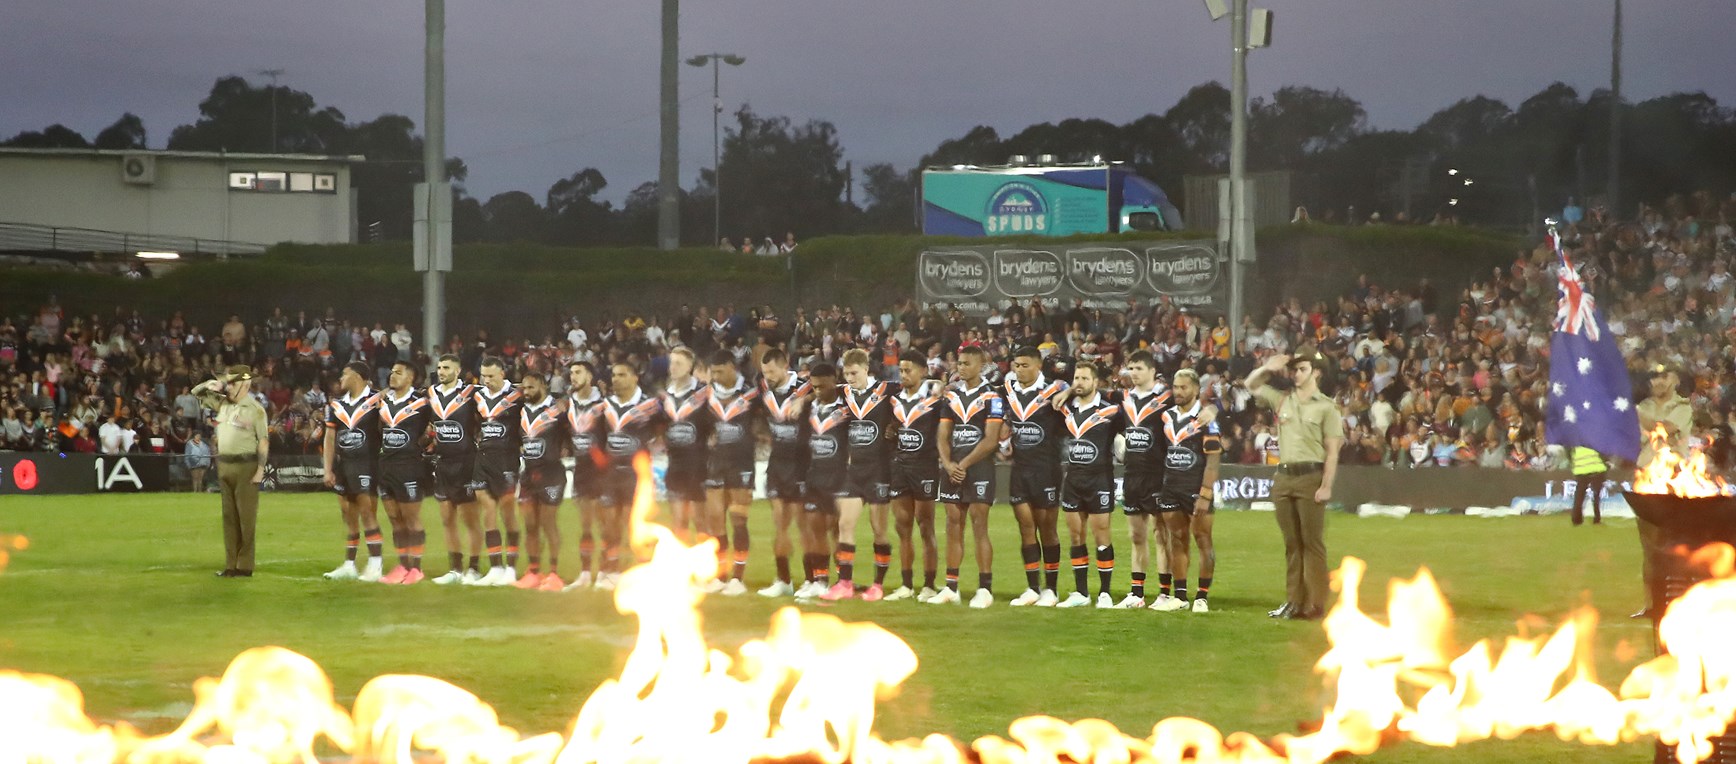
point(116, 594)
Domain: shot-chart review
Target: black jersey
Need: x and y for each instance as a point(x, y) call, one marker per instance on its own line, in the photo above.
point(542, 430)
point(828, 426)
point(497, 415)
point(1091, 429)
point(732, 412)
point(1142, 414)
point(628, 427)
point(688, 414)
point(1033, 424)
point(403, 426)
point(870, 422)
point(971, 411)
point(357, 424)
point(582, 417)
point(455, 421)
point(918, 419)
point(1191, 440)
point(782, 404)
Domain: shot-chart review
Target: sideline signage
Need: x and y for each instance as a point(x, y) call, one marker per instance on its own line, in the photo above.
point(34, 473)
point(976, 279)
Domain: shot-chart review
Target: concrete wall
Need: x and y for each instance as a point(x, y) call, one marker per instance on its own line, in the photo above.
point(190, 197)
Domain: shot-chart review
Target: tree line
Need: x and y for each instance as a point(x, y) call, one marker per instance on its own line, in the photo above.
point(780, 175)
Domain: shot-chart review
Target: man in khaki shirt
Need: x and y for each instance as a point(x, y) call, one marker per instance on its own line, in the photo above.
point(243, 439)
point(1310, 432)
point(1668, 409)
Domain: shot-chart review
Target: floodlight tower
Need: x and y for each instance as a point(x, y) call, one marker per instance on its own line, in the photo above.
point(1239, 229)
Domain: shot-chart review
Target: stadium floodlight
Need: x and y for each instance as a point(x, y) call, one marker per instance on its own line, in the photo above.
point(1217, 8)
point(159, 255)
point(1453, 171)
point(716, 132)
point(1243, 20)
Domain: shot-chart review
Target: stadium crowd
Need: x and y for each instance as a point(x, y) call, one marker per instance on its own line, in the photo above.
point(1425, 374)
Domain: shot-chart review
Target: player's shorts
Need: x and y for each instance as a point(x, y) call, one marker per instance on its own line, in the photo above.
point(544, 484)
point(978, 486)
point(1139, 494)
point(822, 489)
point(1170, 502)
point(404, 481)
point(1039, 487)
point(1091, 493)
point(730, 471)
point(587, 480)
point(497, 474)
point(871, 485)
point(616, 486)
point(919, 483)
point(455, 479)
point(685, 478)
point(353, 478)
point(784, 478)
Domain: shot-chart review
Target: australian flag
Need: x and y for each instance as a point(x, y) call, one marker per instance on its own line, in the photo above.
point(1590, 400)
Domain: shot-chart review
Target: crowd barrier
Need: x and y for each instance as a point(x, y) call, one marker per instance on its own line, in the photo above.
point(1447, 489)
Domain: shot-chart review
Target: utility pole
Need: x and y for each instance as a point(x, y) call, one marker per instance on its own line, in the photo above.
point(274, 74)
point(715, 59)
point(1240, 252)
point(669, 171)
point(434, 226)
point(1614, 190)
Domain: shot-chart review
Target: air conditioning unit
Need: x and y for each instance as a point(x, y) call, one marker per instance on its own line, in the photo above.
point(138, 169)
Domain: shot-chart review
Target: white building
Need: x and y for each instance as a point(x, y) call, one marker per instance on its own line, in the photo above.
point(216, 202)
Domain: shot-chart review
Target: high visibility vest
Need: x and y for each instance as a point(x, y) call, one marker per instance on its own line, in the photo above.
point(1587, 462)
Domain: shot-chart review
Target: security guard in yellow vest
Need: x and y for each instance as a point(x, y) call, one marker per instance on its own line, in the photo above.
point(243, 443)
point(1589, 471)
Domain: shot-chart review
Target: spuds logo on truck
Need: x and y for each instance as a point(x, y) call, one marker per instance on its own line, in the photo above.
point(1016, 208)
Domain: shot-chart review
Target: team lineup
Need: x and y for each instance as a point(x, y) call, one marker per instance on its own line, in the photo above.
point(491, 454)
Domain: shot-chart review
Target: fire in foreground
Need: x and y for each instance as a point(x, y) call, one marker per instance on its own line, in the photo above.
point(808, 691)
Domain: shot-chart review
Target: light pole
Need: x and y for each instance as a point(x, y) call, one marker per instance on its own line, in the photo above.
point(1241, 217)
point(669, 163)
point(716, 147)
point(273, 74)
point(1614, 201)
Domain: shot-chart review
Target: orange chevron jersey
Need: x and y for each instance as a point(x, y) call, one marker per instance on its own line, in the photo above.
point(870, 420)
point(403, 426)
point(582, 416)
point(1091, 429)
point(542, 431)
point(1033, 424)
point(970, 412)
point(732, 412)
point(1142, 414)
point(1191, 439)
point(627, 427)
point(454, 415)
point(498, 420)
point(356, 422)
point(918, 418)
point(782, 407)
point(688, 413)
point(828, 435)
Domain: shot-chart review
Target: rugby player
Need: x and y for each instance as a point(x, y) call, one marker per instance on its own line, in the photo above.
point(729, 488)
point(784, 393)
point(1088, 493)
point(1191, 429)
point(403, 476)
point(915, 473)
point(1142, 408)
point(630, 421)
point(453, 405)
point(351, 455)
point(969, 433)
point(542, 430)
point(1034, 433)
point(827, 477)
point(870, 405)
point(497, 448)
point(584, 407)
point(688, 432)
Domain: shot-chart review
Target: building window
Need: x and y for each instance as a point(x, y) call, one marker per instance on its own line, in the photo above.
point(284, 182)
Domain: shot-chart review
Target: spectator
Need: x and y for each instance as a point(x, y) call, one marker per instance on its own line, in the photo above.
point(197, 459)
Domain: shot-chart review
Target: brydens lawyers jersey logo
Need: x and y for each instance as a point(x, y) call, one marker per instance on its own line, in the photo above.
point(448, 431)
point(863, 433)
point(1016, 208)
point(1138, 438)
point(910, 440)
point(681, 434)
point(1081, 451)
point(1028, 434)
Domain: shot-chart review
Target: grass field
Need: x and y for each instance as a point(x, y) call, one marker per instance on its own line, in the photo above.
point(116, 594)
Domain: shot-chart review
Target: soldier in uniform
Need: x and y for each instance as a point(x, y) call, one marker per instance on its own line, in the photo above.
point(870, 407)
point(243, 445)
point(784, 394)
point(1666, 409)
point(1088, 492)
point(1142, 409)
point(584, 409)
point(452, 404)
point(351, 455)
point(1194, 447)
point(1033, 437)
point(497, 447)
point(542, 429)
point(1310, 432)
point(970, 431)
point(734, 407)
point(915, 472)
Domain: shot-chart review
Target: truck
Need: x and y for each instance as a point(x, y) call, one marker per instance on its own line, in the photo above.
point(1042, 199)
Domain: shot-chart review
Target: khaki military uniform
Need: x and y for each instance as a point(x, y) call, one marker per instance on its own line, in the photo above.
point(1304, 426)
point(242, 443)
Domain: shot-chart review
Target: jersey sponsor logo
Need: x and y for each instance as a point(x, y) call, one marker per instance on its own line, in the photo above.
point(392, 437)
point(448, 431)
point(910, 441)
point(966, 436)
point(1180, 459)
point(729, 433)
point(681, 434)
point(582, 442)
point(1138, 438)
point(1027, 434)
point(493, 431)
point(784, 432)
point(533, 448)
point(863, 433)
point(823, 446)
point(620, 443)
point(1081, 451)
point(350, 440)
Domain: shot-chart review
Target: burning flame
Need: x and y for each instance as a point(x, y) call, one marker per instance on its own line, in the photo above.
point(1671, 473)
point(808, 691)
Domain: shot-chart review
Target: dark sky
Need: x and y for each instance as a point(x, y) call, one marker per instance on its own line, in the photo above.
point(540, 88)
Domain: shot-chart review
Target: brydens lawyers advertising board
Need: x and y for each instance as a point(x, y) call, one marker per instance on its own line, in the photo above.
point(980, 278)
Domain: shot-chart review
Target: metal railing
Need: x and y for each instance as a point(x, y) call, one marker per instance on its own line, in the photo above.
point(29, 238)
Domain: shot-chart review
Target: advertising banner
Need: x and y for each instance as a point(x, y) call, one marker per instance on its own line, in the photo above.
point(50, 473)
point(977, 279)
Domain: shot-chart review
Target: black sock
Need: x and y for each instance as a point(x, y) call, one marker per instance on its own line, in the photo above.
point(1081, 567)
point(928, 578)
point(491, 539)
point(1139, 585)
point(1163, 580)
point(952, 579)
point(455, 561)
point(1051, 567)
point(535, 564)
point(986, 581)
point(587, 551)
point(784, 568)
point(475, 564)
point(1105, 567)
point(846, 562)
point(401, 542)
point(375, 545)
point(739, 541)
point(512, 548)
point(1033, 557)
point(1181, 589)
point(350, 543)
point(1205, 588)
point(909, 577)
point(418, 542)
point(882, 562)
point(821, 571)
